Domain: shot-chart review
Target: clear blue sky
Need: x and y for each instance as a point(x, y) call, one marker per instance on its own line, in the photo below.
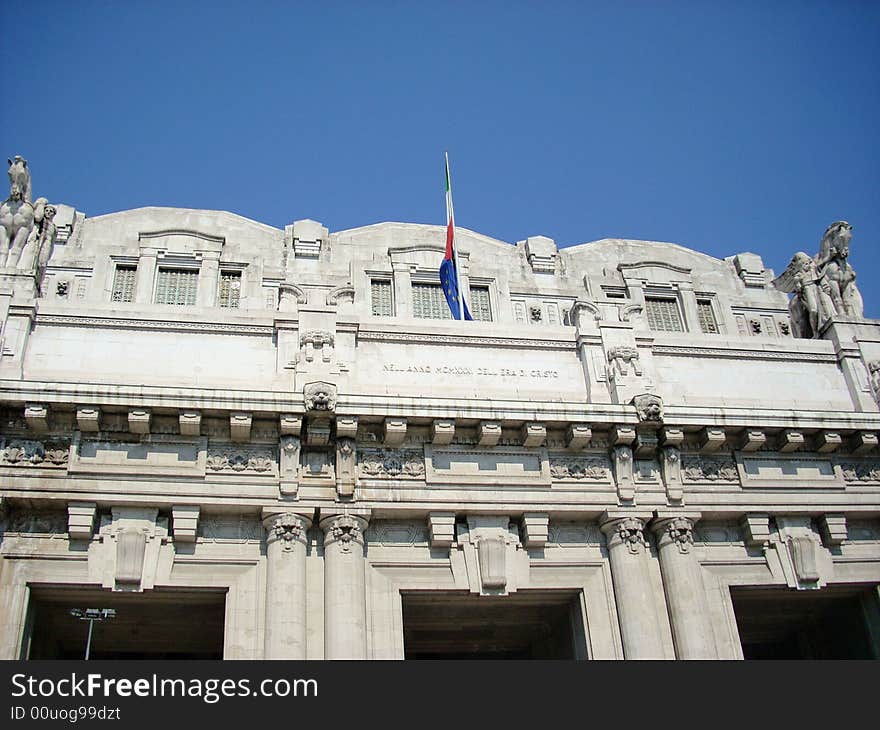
point(723, 126)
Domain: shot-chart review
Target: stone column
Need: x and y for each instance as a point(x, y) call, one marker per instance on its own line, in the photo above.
point(209, 279)
point(286, 539)
point(345, 614)
point(683, 584)
point(628, 554)
point(146, 276)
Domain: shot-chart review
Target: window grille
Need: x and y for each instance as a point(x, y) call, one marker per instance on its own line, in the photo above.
point(381, 298)
point(663, 315)
point(230, 289)
point(123, 284)
point(177, 286)
point(480, 307)
point(429, 302)
point(707, 317)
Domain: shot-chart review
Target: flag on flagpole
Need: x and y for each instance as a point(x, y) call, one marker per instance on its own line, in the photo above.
point(449, 271)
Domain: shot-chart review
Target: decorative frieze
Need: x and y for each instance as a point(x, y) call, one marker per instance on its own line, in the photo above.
point(228, 529)
point(391, 464)
point(241, 460)
point(708, 469)
point(593, 468)
point(30, 453)
point(860, 471)
point(398, 533)
point(34, 523)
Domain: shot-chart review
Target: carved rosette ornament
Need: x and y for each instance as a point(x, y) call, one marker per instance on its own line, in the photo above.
point(345, 530)
point(286, 528)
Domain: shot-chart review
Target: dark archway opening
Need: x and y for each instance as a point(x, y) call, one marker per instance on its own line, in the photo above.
point(523, 625)
point(835, 622)
point(156, 624)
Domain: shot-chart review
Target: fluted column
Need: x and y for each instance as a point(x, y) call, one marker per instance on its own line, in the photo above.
point(628, 555)
point(286, 539)
point(685, 597)
point(345, 614)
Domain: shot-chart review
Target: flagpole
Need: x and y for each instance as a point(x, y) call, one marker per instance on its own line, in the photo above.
point(450, 215)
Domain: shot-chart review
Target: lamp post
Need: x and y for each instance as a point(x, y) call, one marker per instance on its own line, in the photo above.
point(91, 615)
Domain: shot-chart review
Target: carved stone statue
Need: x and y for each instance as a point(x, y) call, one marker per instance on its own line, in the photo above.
point(838, 277)
point(824, 286)
point(17, 213)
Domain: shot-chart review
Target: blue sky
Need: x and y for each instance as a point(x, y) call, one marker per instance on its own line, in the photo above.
point(726, 127)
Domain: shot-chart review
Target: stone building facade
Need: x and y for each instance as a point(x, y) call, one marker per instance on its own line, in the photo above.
point(264, 443)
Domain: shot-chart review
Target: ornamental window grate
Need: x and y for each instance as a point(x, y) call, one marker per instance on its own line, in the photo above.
point(429, 302)
point(707, 317)
point(177, 286)
point(663, 315)
point(381, 298)
point(230, 289)
point(123, 284)
point(480, 306)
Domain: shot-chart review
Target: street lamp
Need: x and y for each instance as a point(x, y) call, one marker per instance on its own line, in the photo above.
point(91, 615)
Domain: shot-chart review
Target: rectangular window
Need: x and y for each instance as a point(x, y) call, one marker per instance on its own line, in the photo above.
point(123, 284)
point(707, 317)
point(663, 315)
point(429, 302)
point(177, 286)
point(230, 289)
point(480, 307)
point(381, 298)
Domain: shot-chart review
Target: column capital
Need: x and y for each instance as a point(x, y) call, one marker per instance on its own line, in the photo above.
point(344, 529)
point(288, 527)
point(675, 529)
point(622, 528)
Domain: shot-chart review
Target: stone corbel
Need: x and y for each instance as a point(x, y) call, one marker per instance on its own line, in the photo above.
point(536, 529)
point(492, 554)
point(533, 434)
point(800, 557)
point(442, 432)
point(88, 419)
point(346, 427)
point(671, 436)
point(131, 539)
point(289, 463)
point(81, 520)
point(790, 440)
point(394, 431)
point(290, 424)
point(670, 469)
point(645, 445)
point(833, 529)
point(240, 426)
point(578, 436)
point(139, 420)
point(184, 522)
point(756, 529)
point(190, 423)
point(442, 528)
point(751, 439)
point(36, 416)
point(827, 442)
point(346, 467)
point(623, 435)
point(622, 461)
point(862, 442)
point(488, 433)
point(711, 439)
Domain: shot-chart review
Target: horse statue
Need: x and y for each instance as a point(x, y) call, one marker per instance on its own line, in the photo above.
point(17, 214)
point(838, 279)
